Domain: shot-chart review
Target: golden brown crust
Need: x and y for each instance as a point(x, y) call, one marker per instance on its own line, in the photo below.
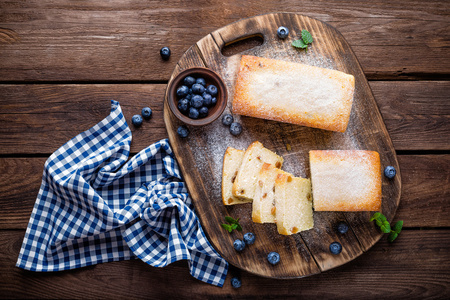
point(346, 180)
point(309, 108)
point(256, 218)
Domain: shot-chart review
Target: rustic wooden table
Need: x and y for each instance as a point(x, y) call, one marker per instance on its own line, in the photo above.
point(61, 62)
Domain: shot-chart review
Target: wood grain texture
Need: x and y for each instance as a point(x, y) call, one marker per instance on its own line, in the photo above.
point(41, 118)
point(423, 107)
point(422, 191)
point(200, 155)
point(63, 41)
point(386, 269)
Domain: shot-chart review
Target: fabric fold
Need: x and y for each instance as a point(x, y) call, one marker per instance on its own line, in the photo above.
point(94, 206)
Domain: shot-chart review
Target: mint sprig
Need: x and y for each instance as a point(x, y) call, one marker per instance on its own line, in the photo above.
point(299, 44)
point(232, 224)
point(306, 37)
point(304, 41)
point(385, 227)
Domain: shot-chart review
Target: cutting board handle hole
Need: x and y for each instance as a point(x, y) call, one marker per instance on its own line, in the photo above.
point(242, 44)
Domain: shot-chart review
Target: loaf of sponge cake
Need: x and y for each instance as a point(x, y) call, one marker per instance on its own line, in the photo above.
point(345, 180)
point(293, 93)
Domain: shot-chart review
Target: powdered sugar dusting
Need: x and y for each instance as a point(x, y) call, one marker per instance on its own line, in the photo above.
point(210, 142)
point(295, 164)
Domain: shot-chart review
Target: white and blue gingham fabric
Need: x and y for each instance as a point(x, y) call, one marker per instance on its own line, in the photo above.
point(96, 206)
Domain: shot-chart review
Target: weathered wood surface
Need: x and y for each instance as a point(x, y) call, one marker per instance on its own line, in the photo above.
point(73, 47)
point(385, 271)
point(120, 40)
point(200, 155)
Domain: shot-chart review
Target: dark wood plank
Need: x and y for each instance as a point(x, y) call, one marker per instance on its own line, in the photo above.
point(20, 182)
point(40, 118)
point(204, 149)
point(426, 184)
point(386, 269)
point(43, 40)
point(416, 114)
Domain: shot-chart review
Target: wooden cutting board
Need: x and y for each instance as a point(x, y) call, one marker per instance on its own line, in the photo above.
point(200, 155)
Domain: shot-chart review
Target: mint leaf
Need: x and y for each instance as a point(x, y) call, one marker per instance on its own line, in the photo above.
point(227, 227)
point(230, 220)
point(299, 44)
point(234, 224)
point(398, 227)
point(375, 216)
point(386, 228)
point(306, 37)
point(392, 236)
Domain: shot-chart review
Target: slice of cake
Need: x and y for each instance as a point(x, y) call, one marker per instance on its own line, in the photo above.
point(293, 93)
point(231, 162)
point(254, 157)
point(263, 210)
point(345, 180)
point(293, 204)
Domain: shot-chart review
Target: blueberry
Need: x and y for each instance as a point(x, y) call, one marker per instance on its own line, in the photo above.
point(198, 88)
point(182, 131)
point(206, 99)
point(249, 238)
point(390, 172)
point(165, 53)
point(282, 32)
point(227, 119)
point(182, 91)
point(235, 282)
point(189, 81)
point(193, 113)
point(273, 258)
point(335, 248)
point(183, 106)
point(235, 128)
point(213, 101)
point(201, 81)
point(146, 112)
point(197, 101)
point(203, 112)
point(212, 90)
point(342, 227)
point(188, 96)
point(136, 120)
point(239, 245)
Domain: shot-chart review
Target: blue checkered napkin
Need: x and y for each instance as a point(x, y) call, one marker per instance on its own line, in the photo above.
point(94, 206)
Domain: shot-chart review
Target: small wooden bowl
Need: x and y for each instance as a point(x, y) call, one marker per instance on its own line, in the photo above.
point(210, 78)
